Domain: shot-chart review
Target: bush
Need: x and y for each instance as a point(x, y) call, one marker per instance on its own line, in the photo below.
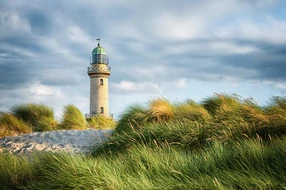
point(73, 119)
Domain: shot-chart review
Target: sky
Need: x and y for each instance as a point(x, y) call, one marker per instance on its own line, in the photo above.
point(178, 50)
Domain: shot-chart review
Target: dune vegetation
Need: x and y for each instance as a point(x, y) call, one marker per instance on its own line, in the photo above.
point(26, 118)
point(72, 118)
point(223, 142)
point(101, 122)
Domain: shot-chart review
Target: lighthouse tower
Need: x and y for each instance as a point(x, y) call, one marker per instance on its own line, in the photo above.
point(99, 72)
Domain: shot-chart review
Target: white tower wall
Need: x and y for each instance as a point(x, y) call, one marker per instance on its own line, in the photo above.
point(99, 95)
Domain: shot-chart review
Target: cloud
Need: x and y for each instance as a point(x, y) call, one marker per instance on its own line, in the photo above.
point(154, 46)
point(266, 29)
point(43, 90)
point(12, 23)
point(132, 87)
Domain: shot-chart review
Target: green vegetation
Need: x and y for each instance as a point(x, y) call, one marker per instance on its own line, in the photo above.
point(101, 122)
point(38, 116)
point(73, 118)
point(26, 118)
point(190, 125)
point(247, 164)
point(10, 125)
point(224, 142)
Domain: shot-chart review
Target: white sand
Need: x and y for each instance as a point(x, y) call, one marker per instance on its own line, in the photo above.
point(62, 140)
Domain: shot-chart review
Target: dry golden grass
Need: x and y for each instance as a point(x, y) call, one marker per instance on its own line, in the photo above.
point(160, 110)
point(11, 125)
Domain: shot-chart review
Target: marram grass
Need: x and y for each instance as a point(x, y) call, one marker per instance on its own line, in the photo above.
point(246, 164)
point(191, 111)
point(39, 116)
point(10, 125)
point(72, 118)
point(25, 118)
point(224, 142)
point(101, 122)
point(160, 110)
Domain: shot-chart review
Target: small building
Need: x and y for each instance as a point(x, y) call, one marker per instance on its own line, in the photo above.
point(99, 71)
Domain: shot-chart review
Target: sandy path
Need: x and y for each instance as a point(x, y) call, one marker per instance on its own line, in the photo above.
point(60, 140)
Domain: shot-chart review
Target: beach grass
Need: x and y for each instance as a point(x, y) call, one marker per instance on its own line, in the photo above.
point(72, 119)
point(40, 117)
point(30, 117)
point(246, 164)
point(101, 122)
point(223, 142)
point(11, 125)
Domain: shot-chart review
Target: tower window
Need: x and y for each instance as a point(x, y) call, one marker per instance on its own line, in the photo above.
point(101, 82)
point(101, 110)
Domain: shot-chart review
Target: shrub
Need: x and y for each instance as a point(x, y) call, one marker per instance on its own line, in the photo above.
point(72, 118)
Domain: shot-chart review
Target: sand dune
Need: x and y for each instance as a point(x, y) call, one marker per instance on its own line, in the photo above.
point(61, 140)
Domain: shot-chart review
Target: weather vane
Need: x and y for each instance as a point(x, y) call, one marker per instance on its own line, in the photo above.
point(98, 39)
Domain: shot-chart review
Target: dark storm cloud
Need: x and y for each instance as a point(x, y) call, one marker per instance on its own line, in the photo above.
point(40, 52)
point(40, 23)
point(14, 74)
point(269, 63)
point(98, 18)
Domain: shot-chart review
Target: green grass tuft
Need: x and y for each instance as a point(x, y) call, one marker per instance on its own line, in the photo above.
point(73, 119)
point(191, 111)
point(14, 171)
point(101, 122)
point(160, 110)
point(134, 117)
point(36, 115)
point(10, 125)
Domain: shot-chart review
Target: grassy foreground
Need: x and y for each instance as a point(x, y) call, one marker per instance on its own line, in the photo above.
point(225, 142)
point(249, 164)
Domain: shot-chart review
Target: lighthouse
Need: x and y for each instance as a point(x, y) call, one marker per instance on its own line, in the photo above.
point(99, 71)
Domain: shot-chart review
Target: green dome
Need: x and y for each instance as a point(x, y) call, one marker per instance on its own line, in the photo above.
point(98, 50)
